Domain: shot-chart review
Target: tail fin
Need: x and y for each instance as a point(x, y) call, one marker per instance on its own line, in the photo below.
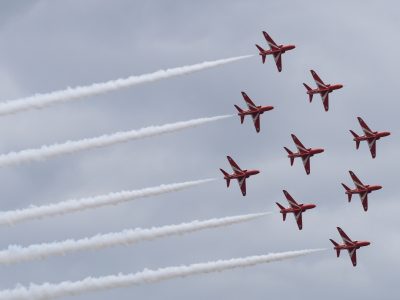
point(355, 135)
point(282, 208)
point(347, 190)
point(337, 249)
point(240, 111)
point(310, 96)
point(261, 53)
point(291, 157)
point(226, 177)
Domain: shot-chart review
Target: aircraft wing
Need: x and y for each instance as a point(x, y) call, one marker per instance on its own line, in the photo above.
point(278, 60)
point(242, 184)
point(270, 41)
point(357, 182)
point(256, 121)
point(344, 236)
point(234, 165)
point(365, 128)
point(372, 147)
point(353, 256)
point(298, 144)
point(299, 219)
point(325, 100)
point(306, 163)
point(290, 199)
point(249, 103)
point(364, 200)
point(318, 80)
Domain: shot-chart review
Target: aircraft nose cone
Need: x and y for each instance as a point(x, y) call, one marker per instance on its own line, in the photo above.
point(256, 172)
point(378, 187)
point(313, 206)
point(340, 86)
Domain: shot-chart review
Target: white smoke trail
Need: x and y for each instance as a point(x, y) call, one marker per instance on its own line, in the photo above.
point(42, 100)
point(73, 205)
point(46, 151)
point(68, 288)
point(16, 254)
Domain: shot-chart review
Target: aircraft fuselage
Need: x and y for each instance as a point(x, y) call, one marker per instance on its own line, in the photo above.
point(309, 152)
point(260, 110)
point(353, 245)
point(280, 49)
point(375, 136)
point(329, 89)
point(368, 189)
point(243, 174)
point(302, 208)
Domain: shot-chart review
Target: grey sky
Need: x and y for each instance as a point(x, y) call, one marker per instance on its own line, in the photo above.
point(49, 45)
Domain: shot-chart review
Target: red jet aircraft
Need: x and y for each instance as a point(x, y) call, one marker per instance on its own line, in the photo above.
point(296, 208)
point(239, 174)
point(303, 152)
point(362, 189)
point(349, 245)
point(323, 89)
point(370, 136)
point(275, 50)
point(254, 111)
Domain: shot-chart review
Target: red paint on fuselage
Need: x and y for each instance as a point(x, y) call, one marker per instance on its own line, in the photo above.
point(353, 245)
point(301, 208)
point(281, 49)
point(368, 189)
point(242, 174)
point(259, 110)
point(309, 152)
point(374, 136)
point(329, 88)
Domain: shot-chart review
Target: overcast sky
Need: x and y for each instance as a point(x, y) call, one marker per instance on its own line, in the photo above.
point(49, 45)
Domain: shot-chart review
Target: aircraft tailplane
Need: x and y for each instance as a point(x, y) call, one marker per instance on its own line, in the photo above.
point(283, 212)
point(337, 249)
point(347, 190)
point(226, 177)
point(263, 55)
point(240, 111)
point(355, 135)
point(310, 95)
point(290, 155)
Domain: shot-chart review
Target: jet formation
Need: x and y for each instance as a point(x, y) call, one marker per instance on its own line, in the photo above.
point(297, 209)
